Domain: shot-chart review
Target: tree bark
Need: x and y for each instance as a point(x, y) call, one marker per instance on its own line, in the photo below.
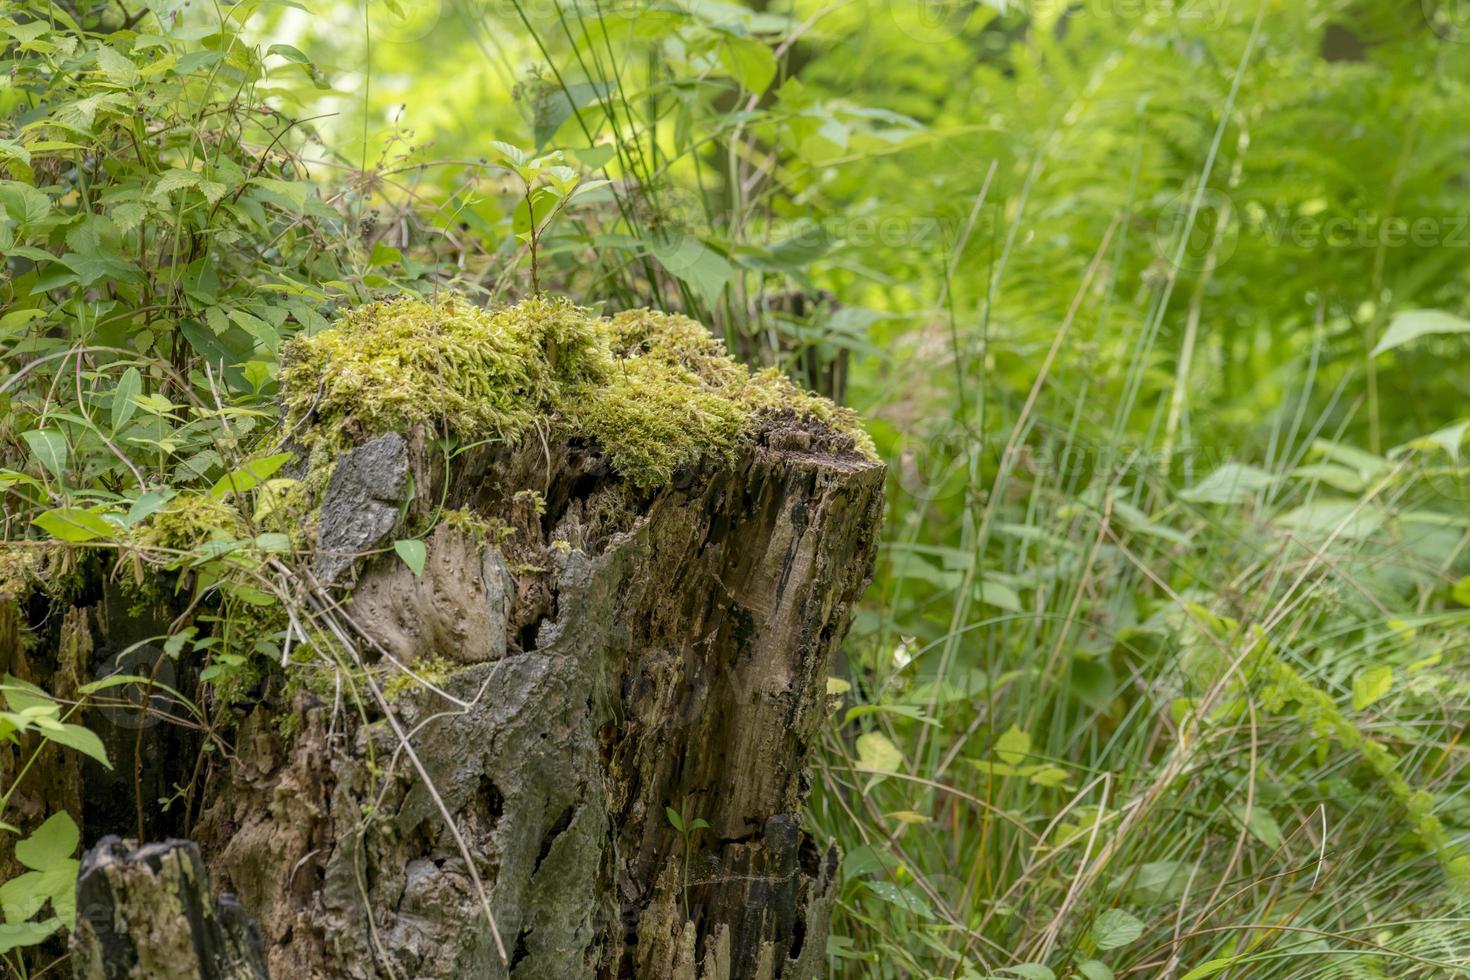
point(589, 658)
point(611, 657)
point(146, 912)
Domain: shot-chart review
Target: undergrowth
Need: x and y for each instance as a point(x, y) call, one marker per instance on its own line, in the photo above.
point(1155, 311)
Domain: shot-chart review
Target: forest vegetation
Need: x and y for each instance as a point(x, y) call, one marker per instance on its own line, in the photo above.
point(1155, 310)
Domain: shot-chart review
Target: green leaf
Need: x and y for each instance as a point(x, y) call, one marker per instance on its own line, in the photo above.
point(22, 202)
point(1410, 325)
point(52, 842)
point(13, 321)
point(1030, 971)
point(1013, 746)
point(49, 446)
point(21, 695)
point(1094, 970)
point(877, 753)
point(513, 155)
point(1154, 881)
point(1233, 483)
point(750, 62)
point(413, 552)
point(1115, 928)
point(82, 739)
point(117, 67)
point(999, 595)
point(901, 897)
point(71, 524)
point(14, 935)
point(553, 105)
point(1370, 685)
point(676, 821)
point(249, 476)
point(288, 52)
point(129, 386)
point(1209, 968)
point(594, 157)
point(691, 260)
point(173, 180)
point(1261, 825)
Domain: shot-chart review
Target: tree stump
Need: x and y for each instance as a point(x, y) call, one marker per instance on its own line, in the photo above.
point(669, 652)
point(146, 912)
point(569, 738)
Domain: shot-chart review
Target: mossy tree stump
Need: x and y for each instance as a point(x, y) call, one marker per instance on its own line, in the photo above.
point(672, 654)
point(638, 561)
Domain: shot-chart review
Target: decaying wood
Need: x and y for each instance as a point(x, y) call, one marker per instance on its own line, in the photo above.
point(594, 655)
point(619, 655)
point(145, 913)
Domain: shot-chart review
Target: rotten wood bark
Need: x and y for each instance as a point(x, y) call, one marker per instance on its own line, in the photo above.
point(145, 913)
point(608, 654)
point(618, 655)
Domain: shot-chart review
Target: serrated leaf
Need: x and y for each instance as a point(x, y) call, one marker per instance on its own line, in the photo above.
point(1370, 685)
point(173, 180)
point(877, 753)
point(1115, 928)
point(22, 202)
point(117, 67)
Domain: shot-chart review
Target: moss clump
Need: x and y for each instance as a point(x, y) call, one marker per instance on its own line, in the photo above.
point(23, 569)
point(189, 521)
point(656, 391)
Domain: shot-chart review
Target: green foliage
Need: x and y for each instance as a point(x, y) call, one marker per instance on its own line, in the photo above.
point(1156, 311)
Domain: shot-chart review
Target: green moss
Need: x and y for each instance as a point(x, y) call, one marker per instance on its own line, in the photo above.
point(189, 521)
point(23, 569)
point(656, 391)
point(434, 670)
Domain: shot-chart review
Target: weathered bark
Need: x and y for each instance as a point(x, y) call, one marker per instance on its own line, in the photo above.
point(613, 653)
point(622, 654)
point(145, 913)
